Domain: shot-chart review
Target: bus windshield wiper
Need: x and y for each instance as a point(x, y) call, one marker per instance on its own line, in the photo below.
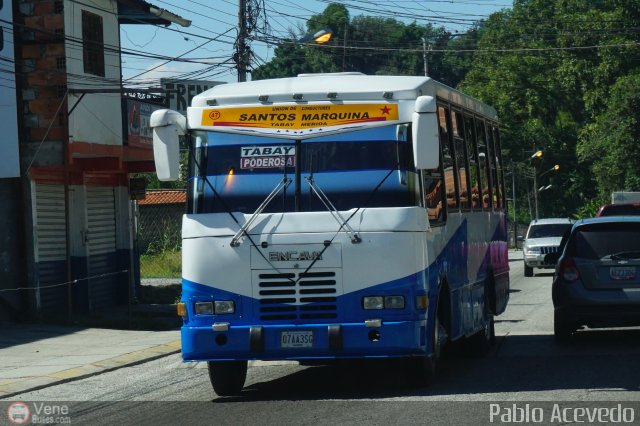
point(334, 212)
point(235, 241)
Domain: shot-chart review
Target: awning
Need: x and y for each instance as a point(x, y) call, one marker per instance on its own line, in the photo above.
point(141, 12)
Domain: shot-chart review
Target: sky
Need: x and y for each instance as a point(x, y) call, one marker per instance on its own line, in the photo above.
point(208, 44)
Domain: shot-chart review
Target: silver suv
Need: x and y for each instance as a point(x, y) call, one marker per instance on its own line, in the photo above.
point(543, 237)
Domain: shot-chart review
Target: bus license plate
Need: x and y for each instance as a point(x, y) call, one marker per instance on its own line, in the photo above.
point(296, 339)
point(622, 272)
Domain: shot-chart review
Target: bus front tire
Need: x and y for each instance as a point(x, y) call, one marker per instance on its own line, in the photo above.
point(227, 377)
point(422, 370)
point(481, 342)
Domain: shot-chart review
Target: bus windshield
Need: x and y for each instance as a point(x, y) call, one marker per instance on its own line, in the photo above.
point(232, 172)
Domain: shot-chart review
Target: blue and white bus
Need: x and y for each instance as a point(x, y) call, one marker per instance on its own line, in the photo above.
point(335, 216)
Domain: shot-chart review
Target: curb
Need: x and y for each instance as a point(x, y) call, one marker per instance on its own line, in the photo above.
point(12, 387)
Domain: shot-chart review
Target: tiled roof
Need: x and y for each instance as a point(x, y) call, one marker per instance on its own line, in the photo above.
point(164, 196)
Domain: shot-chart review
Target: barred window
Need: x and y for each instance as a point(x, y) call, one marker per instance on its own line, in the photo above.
point(92, 43)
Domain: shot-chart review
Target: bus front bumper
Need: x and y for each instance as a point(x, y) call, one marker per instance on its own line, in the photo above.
point(312, 341)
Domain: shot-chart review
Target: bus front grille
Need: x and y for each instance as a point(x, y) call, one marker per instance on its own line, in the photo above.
point(297, 295)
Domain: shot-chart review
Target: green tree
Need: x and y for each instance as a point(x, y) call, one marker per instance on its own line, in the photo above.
point(548, 66)
point(457, 57)
point(292, 57)
point(611, 144)
point(367, 44)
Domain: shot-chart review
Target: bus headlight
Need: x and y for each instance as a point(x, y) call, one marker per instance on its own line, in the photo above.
point(373, 302)
point(225, 307)
point(380, 302)
point(204, 308)
point(394, 302)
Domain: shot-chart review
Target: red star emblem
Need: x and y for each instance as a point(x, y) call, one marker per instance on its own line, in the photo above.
point(385, 110)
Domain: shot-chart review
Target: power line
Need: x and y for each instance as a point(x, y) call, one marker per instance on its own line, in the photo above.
point(74, 43)
point(171, 60)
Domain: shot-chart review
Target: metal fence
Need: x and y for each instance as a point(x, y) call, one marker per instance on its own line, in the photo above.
point(159, 239)
point(159, 227)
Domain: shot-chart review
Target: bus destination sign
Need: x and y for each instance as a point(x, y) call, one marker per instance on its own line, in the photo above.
point(300, 117)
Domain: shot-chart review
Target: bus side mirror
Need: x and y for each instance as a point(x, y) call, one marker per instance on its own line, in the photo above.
point(167, 126)
point(425, 134)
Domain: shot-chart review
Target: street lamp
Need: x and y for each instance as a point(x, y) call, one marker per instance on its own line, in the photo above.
point(321, 36)
point(553, 169)
point(536, 158)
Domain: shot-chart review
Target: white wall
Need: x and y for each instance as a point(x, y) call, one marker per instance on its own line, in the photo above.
point(98, 117)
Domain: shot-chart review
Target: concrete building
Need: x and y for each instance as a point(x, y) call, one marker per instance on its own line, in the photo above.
point(65, 221)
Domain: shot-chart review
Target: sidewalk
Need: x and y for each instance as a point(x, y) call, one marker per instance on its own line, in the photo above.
point(34, 356)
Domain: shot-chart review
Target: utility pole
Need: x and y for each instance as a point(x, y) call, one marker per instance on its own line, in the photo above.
point(513, 203)
point(242, 51)
point(344, 47)
point(535, 190)
point(536, 159)
point(424, 57)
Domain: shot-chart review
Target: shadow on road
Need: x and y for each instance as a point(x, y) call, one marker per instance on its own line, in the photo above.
point(544, 274)
point(606, 360)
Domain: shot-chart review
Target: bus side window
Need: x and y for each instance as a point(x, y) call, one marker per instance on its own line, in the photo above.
point(448, 159)
point(434, 195)
point(484, 161)
point(498, 154)
point(474, 167)
point(461, 160)
point(493, 164)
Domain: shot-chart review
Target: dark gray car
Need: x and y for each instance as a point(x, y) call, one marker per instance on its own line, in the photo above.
point(597, 278)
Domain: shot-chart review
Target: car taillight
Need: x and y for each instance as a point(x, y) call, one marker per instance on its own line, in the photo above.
point(569, 270)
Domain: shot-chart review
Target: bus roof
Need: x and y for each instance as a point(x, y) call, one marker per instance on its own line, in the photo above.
point(335, 87)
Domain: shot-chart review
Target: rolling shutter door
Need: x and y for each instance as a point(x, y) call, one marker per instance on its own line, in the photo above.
point(51, 243)
point(101, 224)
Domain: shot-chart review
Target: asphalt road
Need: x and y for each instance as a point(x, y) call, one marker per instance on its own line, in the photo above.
point(598, 368)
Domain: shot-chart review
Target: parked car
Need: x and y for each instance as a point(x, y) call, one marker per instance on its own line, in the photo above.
point(543, 237)
point(622, 209)
point(597, 278)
